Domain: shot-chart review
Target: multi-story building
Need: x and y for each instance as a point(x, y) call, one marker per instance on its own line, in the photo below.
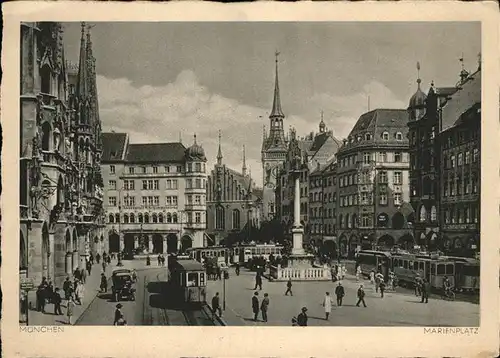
point(60, 179)
point(329, 178)
point(445, 138)
point(316, 206)
point(155, 195)
point(373, 183)
point(232, 207)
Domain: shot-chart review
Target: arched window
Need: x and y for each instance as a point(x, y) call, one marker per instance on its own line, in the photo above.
point(174, 218)
point(354, 221)
point(117, 218)
point(398, 221)
point(399, 136)
point(169, 218)
point(46, 79)
point(146, 218)
point(111, 218)
point(87, 150)
point(236, 219)
point(368, 136)
point(340, 221)
point(385, 135)
point(46, 130)
point(125, 218)
point(132, 218)
point(139, 217)
point(160, 217)
point(433, 213)
point(155, 218)
point(423, 214)
point(219, 218)
point(348, 219)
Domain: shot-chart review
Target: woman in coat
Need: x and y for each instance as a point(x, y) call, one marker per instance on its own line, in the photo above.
point(69, 309)
point(327, 304)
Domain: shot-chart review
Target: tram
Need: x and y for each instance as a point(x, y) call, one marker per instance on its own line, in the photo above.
point(243, 254)
point(188, 281)
point(467, 273)
point(221, 253)
point(372, 260)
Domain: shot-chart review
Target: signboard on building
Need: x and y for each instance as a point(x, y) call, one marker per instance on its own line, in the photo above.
point(26, 284)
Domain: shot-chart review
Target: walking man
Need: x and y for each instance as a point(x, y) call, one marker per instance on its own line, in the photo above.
point(289, 287)
point(83, 275)
point(339, 292)
point(216, 305)
point(264, 306)
point(425, 291)
point(327, 304)
point(258, 281)
point(358, 273)
point(382, 288)
point(89, 267)
point(361, 296)
point(255, 306)
point(57, 302)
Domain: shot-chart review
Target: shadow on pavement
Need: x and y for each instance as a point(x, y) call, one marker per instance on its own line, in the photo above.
point(159, 287)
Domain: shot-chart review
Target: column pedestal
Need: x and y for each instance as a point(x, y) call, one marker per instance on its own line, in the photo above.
point(150, 244)
point(136, 242)
point(122, 242)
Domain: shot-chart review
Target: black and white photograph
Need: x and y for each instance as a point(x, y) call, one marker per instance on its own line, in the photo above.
point(261, 180)
point(250, 174)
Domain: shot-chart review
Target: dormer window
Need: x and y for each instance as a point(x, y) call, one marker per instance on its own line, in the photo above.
point(399, 136)
point(385, 136)
point(368, 136)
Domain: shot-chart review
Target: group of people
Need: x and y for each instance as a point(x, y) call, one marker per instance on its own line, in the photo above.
point(338, 271)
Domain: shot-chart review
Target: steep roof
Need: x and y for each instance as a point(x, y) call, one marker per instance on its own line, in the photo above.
point(114, 146)
point(156, 152)
point(466, 97)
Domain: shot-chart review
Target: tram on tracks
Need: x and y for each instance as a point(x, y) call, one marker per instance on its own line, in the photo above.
point(188, 281)
point(244, 254)
point(221, 253)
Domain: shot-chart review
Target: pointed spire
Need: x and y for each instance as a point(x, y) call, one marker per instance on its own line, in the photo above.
point(244, 168)
point(81, 87)
point(219, 154)
point(322, 124)
point(264, 131)
point(418, 75)
point(276, 111)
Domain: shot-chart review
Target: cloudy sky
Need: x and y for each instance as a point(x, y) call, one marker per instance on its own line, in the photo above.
point(159, 80)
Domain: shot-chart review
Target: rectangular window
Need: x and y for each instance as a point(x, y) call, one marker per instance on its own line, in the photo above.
point(189, 167)
point(398, 178)
point(156, 200)
point(197, 218)
point(197, 199)
point(143, 170)
point(475, 155)
point(112, 184)
point(383, 176)
point(144, 185)
point(156, 183)
point(460, 159)
point(174, 200)
point(112, 201)
point(467, 157)
point(365, 220)
point(467, 185)
point(383, 199)
point(179, 169)
point(198, 167)
point(131, 170)
point(144, 200)
point(397, 199)
point(189, 183)
point(174, 184)
point(445, 188)
point(364, 198)
point(382, 157)
point(167, 169)
point(169, 184)
point(198, 183)
point(155, 170)
point(150, 184)
point(452, 161)
point(398, 157)
point(112, 169)
point(150, 200)
point(366, 158)
point(189, 199)
point(189, 217)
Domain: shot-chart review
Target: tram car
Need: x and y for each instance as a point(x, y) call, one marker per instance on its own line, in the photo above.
point(246, 253)
point(407, 267)
point(372, 260)
point(222, 254)
point(467, 273)
point(188, 281)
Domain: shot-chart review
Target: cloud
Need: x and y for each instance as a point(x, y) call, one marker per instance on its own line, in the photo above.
point(185, 107)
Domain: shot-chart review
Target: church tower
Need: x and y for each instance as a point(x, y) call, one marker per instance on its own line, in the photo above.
point(274, 149)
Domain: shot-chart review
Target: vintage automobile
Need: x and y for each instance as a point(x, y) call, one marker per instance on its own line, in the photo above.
point(123, 285)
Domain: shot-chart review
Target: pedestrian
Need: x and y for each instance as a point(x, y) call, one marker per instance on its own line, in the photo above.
point(57, 302)
point(358, 273)
point(216, 305)
point(89, 267)
point(302, 317)
point(344, 271)
point(425, 291)
point(219, 273)
point(76, 274)
point(327, 304)
point(237, 269)
point(69, 309)
point(361, 296)
point(91, 259)
point(340, 293)
point(49, 292)
point(108, 259)
point(148, 260)
point(339, 272)
point(83, 275)
point(377, 281)
point(418, 285)
point(372, 277)
point(332, 273)
point(159, 260)
point(103, 265)
point(79, 293)
point(40, 299)
point(289, 287)
point(119, 318)
point(98, 258)
point(67, 288)
point(255, 306)
point(104, 283)
point(264, 306)
point(382, 288)
point(258, 281)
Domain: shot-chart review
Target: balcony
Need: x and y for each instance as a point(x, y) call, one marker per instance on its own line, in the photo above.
point(53, 158)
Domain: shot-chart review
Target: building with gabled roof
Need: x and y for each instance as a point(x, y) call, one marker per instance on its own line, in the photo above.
point(155, 195)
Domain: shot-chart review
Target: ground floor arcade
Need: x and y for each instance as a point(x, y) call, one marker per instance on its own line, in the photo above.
point(361, 239)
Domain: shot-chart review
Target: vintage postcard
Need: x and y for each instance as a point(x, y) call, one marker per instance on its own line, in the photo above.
point(295, 180)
